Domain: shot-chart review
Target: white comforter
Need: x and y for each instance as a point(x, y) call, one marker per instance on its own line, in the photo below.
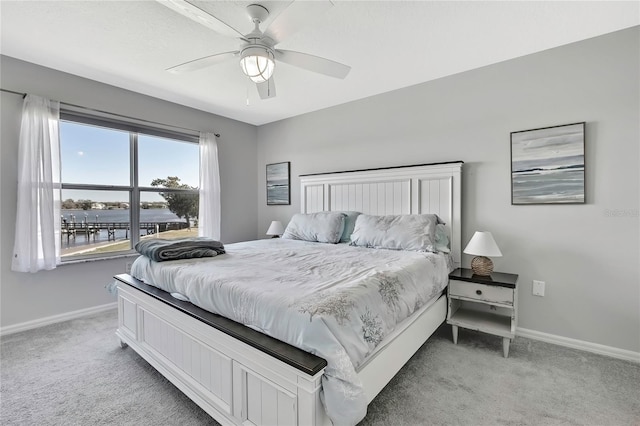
point(335, 301)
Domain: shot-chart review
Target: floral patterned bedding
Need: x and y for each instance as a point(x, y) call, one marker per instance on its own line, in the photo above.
point(333, 300)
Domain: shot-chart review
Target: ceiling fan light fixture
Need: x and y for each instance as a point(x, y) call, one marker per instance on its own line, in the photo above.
point(257, 63)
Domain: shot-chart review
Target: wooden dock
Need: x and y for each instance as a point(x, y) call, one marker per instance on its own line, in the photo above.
point(91, 229)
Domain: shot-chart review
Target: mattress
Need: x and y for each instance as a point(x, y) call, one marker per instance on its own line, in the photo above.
point(336, 301)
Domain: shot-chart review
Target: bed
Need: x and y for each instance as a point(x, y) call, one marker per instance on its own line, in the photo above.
point(236, 370)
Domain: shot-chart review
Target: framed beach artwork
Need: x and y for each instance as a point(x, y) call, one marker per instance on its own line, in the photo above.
point(278, 184)
point(547, 165)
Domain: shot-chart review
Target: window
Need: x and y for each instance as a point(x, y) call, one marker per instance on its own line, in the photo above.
point(122, 183)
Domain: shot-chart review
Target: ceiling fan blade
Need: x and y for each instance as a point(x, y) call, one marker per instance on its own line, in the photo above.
point(205, 62)
point(267, 89)
point(313, 63)
point(202, 17)
point(296, 16)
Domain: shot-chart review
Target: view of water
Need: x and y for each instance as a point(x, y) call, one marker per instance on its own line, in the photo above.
point(110, 216)
point(119, 215)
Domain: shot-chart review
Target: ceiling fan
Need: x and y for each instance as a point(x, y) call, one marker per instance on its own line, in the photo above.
point(257, 52)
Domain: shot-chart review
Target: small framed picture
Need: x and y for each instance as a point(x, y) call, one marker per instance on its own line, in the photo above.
point(547, 165)
point(278, 184)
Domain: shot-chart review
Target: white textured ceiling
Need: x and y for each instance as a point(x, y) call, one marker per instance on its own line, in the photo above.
point(388, 44)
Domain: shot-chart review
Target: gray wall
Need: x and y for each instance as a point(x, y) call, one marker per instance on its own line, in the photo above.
point(588, 257)
point(26, 297)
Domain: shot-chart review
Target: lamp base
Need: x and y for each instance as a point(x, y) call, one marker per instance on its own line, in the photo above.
point(482, 265)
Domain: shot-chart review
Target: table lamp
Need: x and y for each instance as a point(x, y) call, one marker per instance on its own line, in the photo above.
point(482, 245)
point(275, 229)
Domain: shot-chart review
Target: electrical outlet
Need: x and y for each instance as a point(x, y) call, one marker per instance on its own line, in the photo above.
point(127, 267)
point(538, 288)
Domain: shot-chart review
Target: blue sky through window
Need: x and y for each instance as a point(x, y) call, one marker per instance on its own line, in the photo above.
point(96, 155)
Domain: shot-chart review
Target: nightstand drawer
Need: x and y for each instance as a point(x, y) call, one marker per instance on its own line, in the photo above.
point(483, 292)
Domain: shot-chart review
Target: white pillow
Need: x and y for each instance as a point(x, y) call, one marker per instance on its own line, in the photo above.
point(325, 227)
point(396, 232)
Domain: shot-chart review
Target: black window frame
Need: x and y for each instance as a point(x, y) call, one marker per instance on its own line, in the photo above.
point(134, 128)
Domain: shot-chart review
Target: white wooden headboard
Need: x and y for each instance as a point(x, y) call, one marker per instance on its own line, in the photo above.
point(428, 188)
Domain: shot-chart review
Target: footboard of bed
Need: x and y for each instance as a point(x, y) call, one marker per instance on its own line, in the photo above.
point(232, 381)
point(242, 377)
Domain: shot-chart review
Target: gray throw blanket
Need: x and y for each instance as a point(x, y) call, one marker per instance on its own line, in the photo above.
point(160, 250)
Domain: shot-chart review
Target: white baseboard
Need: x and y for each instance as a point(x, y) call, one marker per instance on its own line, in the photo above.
point(580, 344)
point(524, 332)
point(15, 328)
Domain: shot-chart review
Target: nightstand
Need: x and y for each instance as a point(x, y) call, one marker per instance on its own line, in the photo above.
point(483, 303)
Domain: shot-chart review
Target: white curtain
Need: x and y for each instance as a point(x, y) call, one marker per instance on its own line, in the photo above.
point(209, 214)
point(37, 238)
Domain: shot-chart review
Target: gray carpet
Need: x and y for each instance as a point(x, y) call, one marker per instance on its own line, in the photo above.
point(75, 373)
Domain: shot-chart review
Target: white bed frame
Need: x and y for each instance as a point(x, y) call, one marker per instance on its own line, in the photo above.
point(238, 384)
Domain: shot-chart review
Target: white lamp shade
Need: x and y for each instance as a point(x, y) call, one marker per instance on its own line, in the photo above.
point(257, 63)
point(275, 228)
point(483, 244)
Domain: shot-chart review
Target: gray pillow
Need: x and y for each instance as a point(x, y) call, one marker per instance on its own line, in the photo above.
point(325, 227)
point(442, 239)
point(396, 232)
point(349, 225)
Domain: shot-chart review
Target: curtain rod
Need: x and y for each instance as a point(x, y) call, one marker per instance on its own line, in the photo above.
point(110, 113)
